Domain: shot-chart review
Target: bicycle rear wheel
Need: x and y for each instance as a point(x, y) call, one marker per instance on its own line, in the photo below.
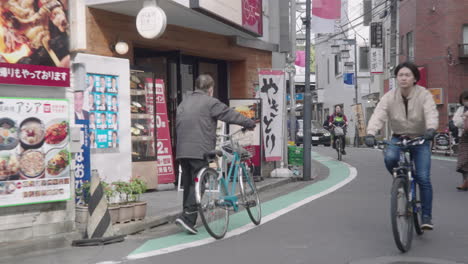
point(417, 210)
point(401, 214)
point(250, 196)
point(338, 147)
point(212, 208)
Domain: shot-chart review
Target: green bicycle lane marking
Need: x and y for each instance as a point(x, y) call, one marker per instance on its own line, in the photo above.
point(443, 158)
point(339, 175)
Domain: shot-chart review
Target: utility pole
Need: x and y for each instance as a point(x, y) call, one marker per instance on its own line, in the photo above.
point(307, 102)
point(356, 130)
point(292, 71)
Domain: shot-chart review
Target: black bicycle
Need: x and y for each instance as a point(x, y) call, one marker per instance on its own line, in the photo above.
point(405, 207)
point(338, 133)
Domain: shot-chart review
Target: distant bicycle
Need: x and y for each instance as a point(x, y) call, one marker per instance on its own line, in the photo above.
point(405, 206)
point(338, 133)
point(214, 197)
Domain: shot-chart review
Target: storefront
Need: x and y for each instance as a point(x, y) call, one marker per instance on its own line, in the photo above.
point(171, 62)
point(36, 179)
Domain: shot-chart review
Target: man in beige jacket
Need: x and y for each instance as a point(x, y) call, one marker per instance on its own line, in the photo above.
point(411, 111)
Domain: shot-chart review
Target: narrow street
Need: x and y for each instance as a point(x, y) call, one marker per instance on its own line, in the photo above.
point(349, 225)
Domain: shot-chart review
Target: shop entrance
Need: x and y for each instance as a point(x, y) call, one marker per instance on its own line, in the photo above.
point(179, 72)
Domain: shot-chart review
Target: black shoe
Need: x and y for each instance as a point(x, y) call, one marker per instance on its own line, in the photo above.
point(186, 225)
point(427, 223)
point(343, 152)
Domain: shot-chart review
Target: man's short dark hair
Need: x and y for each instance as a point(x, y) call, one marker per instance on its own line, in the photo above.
point(463, 95)
point(204, 82)
point(413, 68)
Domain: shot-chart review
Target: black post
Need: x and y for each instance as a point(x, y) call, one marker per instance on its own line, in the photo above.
point(307, 103)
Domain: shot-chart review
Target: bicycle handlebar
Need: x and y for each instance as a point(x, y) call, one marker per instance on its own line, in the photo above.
point(404, 142)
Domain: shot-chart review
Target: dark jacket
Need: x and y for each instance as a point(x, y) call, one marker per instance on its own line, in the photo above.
point(196, 123)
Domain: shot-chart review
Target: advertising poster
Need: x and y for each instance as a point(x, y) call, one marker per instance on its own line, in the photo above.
point(163, 144)
point(34, 42)
point(82, 159)
point(250, 140)
point(100, 106)
point(34, 151)
point(272, 93)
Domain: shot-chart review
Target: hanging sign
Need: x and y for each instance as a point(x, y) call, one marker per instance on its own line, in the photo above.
point(151, 22)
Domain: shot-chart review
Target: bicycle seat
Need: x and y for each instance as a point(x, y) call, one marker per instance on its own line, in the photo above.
point(211, 155)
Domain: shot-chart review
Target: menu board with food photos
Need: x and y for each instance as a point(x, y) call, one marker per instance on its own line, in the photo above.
point(100, 102)
point(34, 151)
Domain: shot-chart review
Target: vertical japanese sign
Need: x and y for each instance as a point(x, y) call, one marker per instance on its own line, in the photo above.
point(359, 117)
point(34, 151)
point(150, 111)
point(34, 43)
point(163, 144)
point(272, 93)
point(82, 159)
point(376, 51)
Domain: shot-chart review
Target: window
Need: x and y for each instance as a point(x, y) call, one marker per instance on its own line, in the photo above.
point(465, 39)
point(328, 71)
point(363, 59)
point(410, 46)
point(337, 65)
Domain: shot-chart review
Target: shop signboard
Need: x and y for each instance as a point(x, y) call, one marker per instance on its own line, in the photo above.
point(101, 107)
point(34, 43)
point(243, 14)
point(272, 92)
point(163, 144)
point(250, 140)
point(34, 151)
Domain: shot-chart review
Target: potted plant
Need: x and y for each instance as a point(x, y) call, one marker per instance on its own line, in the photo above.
point(81, 209)
point(114, 208)
point(138, 187)
point(126, 208)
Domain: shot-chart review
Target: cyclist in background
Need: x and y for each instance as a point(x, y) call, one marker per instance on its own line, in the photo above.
point(411, 112)
point(338, 119)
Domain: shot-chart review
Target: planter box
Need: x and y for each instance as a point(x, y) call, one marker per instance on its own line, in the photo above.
point(126, 213)
point(114, 211)
point(139, 211)
point(81, 214)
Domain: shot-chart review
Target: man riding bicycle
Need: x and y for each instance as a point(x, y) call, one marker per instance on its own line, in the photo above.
point(338, 119)
point(411, 112)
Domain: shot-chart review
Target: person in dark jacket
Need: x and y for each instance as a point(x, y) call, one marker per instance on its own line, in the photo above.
point(196, 122)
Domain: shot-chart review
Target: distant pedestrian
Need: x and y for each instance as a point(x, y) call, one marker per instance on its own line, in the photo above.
point(460, 119)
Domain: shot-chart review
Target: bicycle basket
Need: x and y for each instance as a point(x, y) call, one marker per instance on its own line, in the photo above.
point(338, 131)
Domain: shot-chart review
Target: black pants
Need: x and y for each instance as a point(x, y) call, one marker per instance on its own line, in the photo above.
point(343, 141)
point(190, 168)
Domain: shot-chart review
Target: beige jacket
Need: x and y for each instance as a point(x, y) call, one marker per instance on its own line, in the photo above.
point(422, 113)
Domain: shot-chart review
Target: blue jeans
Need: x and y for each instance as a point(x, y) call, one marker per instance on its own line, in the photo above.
point(422, 159)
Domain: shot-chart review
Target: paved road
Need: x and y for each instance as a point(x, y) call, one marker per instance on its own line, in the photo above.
point(349, 225)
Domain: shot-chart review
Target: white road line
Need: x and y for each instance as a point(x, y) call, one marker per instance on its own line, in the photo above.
point(352, 175)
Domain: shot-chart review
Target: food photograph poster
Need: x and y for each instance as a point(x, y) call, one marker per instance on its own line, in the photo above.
point(34, 151)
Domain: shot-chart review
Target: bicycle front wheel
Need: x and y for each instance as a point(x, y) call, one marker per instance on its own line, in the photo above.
point(212, 208)
point(338, 147)
point(401, 214)
point(250, 196)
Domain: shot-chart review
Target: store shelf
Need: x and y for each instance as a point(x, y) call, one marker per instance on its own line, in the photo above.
point(141, 116)
point(137, 92)
point(141, 138)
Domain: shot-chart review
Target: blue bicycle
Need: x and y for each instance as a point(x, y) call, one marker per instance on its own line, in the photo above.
point(405, 207)
point(215, 190)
